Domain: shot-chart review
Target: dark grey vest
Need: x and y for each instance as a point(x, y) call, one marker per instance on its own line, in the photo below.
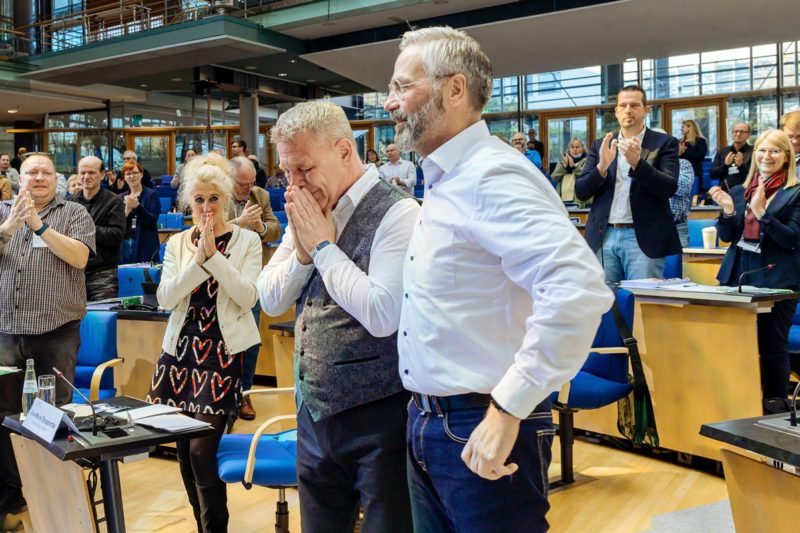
point(337, 363)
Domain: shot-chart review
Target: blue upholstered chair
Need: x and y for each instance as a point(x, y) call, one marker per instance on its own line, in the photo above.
point(696, 230)
point(673, 266)
point(282, 217)
point(264, 459)
point(97, 353)
point(601, 381)
point(166, 204)
point(794, 332)
point(130, 278)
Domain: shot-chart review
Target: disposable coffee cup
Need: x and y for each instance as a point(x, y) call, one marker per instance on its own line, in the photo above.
point(709, 237)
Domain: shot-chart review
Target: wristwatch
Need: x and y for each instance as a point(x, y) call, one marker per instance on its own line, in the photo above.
point(318, 247)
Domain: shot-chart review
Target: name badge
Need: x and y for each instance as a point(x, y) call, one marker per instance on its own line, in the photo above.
point(38, 242)
point(749, 246)
point(733, 169)
point(43, 420)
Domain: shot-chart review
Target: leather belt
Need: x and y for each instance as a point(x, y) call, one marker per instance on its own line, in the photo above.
point(622, 226)
point(445, 404)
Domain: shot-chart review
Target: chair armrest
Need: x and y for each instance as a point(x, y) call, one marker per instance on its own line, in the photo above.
point(616, 350)
point(251, 454)
point(282, 390)
point(97, 375)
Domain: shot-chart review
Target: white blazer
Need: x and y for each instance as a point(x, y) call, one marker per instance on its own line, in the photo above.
point(237, 294)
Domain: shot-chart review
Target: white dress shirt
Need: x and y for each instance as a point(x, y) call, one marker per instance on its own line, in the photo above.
point(503, 295)
point(373, 298)
point(621, 204)
point(405, 170)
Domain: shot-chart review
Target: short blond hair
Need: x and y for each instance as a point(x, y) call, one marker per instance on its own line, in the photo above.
point(791, 120)
point(324, 120)
point(211, 168)
point(446, 52)
point(781, 140)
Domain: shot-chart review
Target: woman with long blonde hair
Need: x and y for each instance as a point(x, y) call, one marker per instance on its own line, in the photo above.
point(761, 218)
point(693, 147)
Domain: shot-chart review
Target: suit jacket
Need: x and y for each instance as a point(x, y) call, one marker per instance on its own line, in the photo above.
point(655, 181)
point(780, 238)
point(272, 227)
point(146, 232)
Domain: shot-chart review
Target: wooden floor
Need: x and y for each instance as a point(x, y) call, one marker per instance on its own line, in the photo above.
point(617, 491)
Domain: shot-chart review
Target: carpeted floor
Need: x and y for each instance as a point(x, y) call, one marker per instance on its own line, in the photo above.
point(711, 518)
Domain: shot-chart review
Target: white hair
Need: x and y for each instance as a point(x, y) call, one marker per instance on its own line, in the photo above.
point(242, 162)
point(324, 120)
point(210, 168)
point(445, 52)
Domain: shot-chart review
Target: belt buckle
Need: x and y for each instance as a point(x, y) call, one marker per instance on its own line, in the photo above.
point(426, 403)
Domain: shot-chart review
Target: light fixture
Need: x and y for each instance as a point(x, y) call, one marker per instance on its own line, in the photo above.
point(143, 85)
point(337, 86)
point(177, 79)
point(311, 81)
point(14, 111)
point(251, 67)
point(282, 74)
point(292, 61)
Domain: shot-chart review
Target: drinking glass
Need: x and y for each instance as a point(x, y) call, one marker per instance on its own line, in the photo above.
point(47, 388)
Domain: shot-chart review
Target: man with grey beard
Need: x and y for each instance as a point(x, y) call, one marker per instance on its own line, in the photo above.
point(480, 359)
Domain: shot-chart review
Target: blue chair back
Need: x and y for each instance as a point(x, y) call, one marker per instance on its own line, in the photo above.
point(696, 231)
point(98, 344)
point(174, 220)
point(282, 217)
point(161, 251)
point(166, 204)
point(673, 266)
point(276, 198)
point(131, 278)
point(612, 367)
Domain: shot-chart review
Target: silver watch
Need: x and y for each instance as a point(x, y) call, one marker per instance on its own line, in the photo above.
point(319, 247)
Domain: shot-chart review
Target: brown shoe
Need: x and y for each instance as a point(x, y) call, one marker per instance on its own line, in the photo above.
point(246, 411)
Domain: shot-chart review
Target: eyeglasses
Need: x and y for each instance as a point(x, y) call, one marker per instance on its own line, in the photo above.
point(399, 89)
point(235, 146)
point(740, 131)
point(133, 174)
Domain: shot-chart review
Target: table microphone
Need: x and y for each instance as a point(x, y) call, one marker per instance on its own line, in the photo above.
point(94, 414)
point(748, 272)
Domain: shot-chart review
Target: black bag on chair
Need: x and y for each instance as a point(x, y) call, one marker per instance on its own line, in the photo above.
point(635, 418)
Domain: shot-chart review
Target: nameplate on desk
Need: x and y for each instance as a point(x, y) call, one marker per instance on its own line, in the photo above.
point(43, 420)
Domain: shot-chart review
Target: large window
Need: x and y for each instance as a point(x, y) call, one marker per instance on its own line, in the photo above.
point(565, 88)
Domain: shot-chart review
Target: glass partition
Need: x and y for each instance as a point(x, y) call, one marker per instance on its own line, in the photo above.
point(153, 154)
point(63, 147)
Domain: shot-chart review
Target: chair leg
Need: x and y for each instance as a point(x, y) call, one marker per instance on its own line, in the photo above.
point(566, 436)
point(281, 513)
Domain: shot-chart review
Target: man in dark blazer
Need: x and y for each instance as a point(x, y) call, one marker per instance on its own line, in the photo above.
point(632, 175)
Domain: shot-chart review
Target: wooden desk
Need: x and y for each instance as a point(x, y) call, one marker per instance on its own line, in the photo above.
point(283, 345)
point(700, 355)
point(763, 497)
point(701, 265)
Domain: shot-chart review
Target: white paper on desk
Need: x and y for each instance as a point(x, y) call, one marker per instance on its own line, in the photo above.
point(9, 370)
point(173, 423)
point(147, 411)
point(79, 409)
point(695, 287)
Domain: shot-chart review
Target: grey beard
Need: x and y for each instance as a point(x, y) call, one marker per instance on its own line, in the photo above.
point(409, 134)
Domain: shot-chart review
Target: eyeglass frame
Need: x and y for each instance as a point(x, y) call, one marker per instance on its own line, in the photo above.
point(400, 91)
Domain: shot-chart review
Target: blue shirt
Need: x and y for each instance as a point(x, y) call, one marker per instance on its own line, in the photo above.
point(534, 157)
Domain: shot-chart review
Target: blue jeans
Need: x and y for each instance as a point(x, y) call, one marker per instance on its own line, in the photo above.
point(448, 497)
point(251, 356)
point(683, 233)
point(622, 258)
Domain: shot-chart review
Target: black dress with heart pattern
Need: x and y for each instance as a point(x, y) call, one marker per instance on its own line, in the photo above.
point(202, 377)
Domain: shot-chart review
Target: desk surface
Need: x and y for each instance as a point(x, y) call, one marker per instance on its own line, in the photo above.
point(705, 251)
point(141, 439)
point(710, 298)
point(283, 326)
point(747, 434)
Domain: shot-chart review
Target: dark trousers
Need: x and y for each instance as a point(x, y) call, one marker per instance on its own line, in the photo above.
point(101, 285)
point(251, 356)
point(773, 347)
point(57, 348)
point(446, 496)
point(354, 456)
